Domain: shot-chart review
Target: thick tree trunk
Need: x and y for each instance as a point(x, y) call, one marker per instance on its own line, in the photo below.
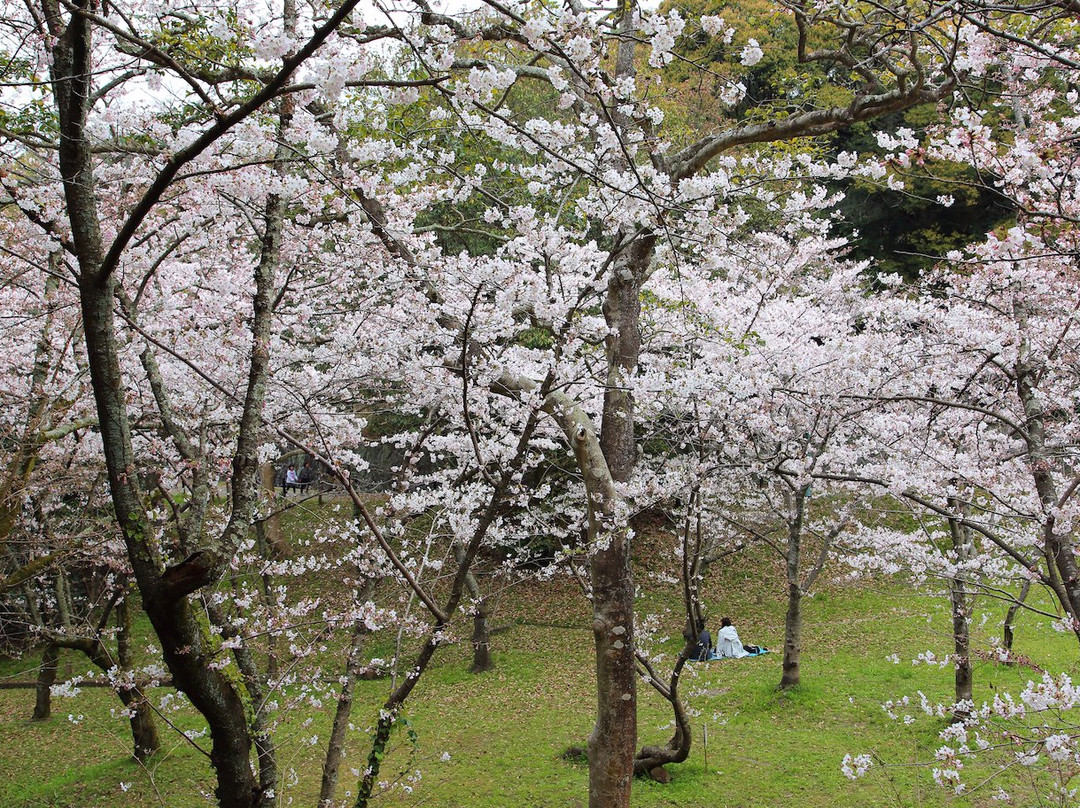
point(613, 742)
point(164, 596)
point(189, 651)
point(184, 646)
point(46, 678)
point(213, 695)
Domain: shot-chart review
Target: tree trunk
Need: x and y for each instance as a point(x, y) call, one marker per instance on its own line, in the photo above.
point(46, 678)
point(962, 654)
point(792, 637)
point(1064, 573)
point(213, 695)
point(143, 732)
point(143, 729)
point(677, 749)
point(392, 706)
point(694, 566)
point(164, 596)
point(184, 646)
point(481, 636)
point(270, 526)
point(960, 598)
point(335, 747)
point(613, 742)
point(793, 619)
point(1010, 616)
point(261, 729)
point(388, 716)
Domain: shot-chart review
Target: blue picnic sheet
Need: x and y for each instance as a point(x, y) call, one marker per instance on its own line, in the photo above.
point(714, 656)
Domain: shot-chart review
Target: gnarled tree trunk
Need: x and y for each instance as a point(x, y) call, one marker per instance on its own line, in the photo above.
point(651, 759)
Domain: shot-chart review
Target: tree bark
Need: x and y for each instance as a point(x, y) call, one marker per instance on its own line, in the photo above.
point(1064, 572)
point(189, 652)
point(792, 638)
point(613, 742)
point(185, 649)
point(270, 525)
point(388, 716)
point(481, 638)
point(1010, 615)
point(793, 618)
point(46, 678)
point(960, 597)
point(144, 733)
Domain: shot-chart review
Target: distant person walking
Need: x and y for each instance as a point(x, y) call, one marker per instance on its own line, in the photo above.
point(307, 476)
point(290, 481)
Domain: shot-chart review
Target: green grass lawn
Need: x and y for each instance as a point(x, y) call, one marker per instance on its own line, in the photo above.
point(497, 739)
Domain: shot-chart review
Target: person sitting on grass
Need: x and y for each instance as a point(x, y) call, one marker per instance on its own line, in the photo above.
point(703, 651)
point(728, 644)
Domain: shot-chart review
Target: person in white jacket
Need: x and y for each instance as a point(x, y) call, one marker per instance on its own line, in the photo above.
point(728, 644)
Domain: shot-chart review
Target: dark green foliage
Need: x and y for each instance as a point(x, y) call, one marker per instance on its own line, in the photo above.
point(906, 231)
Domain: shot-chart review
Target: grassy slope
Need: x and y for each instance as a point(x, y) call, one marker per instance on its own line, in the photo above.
point(505, 731)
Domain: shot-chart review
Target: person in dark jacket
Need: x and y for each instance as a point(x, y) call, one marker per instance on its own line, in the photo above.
point(307, 476)
point(703, 649)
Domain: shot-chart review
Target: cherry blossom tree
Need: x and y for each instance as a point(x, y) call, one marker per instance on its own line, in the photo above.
point(65, 577)
point(111, 184)
point(256, 262)
point(1007, 324)
point(991, 400)
point(643, 191)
